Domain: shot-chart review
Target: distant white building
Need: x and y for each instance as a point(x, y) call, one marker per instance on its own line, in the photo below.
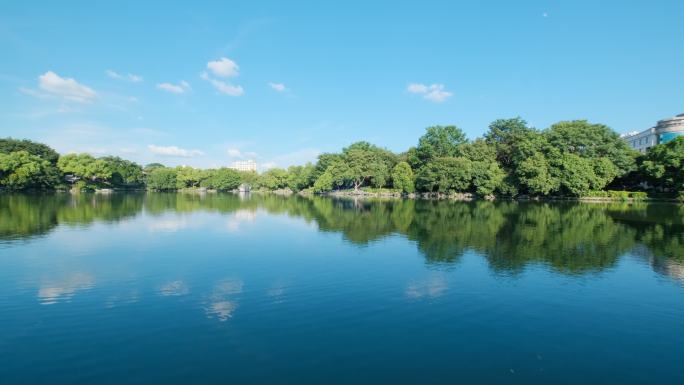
point(244, 165)
point(664, 131)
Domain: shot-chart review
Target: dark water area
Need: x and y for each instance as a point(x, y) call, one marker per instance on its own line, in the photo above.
point(263, 289)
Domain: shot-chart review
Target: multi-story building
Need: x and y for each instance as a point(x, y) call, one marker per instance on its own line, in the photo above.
point(664, 131)
point(244, 165)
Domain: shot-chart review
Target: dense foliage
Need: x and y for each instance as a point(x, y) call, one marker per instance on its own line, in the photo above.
point(570, 158)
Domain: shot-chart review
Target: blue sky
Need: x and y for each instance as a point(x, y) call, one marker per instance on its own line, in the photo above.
point(207, 83)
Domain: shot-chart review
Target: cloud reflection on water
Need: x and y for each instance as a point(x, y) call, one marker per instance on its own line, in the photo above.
point(431, 287)
point(222, 304)
point(65, 290)
point(174, 288)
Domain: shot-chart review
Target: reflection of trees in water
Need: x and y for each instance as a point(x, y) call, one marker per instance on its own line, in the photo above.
point(570, 237)
point(26, 215)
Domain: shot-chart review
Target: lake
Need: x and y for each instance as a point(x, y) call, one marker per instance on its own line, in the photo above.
point(263, 289)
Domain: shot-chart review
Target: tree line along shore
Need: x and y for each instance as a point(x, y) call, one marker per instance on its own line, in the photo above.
point(567, 159)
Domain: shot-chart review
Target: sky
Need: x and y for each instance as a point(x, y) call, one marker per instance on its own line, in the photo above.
point(208, 83)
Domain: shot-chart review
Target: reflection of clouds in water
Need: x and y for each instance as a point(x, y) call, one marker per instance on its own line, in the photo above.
point(127, 298)
point(431, 287)
point(65, 290)
point(669, 267)
point(277, 290)
point(170, 225)
point(221, 310)
point(228, 287)
point(173, 288)
point(221, 304)
point(240, 216)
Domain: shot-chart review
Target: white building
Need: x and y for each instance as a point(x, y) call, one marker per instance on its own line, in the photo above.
point(244, 165)
point(664, 131)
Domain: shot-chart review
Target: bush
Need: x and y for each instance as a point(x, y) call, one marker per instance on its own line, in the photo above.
point(596, 194)
point(618, 195)
point(639, 195)
point(622, 195)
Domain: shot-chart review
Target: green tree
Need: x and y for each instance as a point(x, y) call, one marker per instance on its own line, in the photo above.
point(124, 173)
point(663, 165)
point(536, 175)
point(487, 177)
point(325, 160)
point(592, 141)
point(513, 141)
point(324, 183)
point(249, 178)
point(21, 170)
point(439, 142)
point(402, 177)
point(151, 166)
point(445, 175)
point(162, 179)
point(41, 150)
point(577, 174)
point(300, 177)
point(363, 164)
point(85, 167)
point(189, 177)
point(223, 179)
point(274, 179)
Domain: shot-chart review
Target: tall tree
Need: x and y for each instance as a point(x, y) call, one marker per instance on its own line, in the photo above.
point(366, 164)
point(513, 141)
point(300, 177)
point(223, 179)
point(161, 179)
point(41, 150)
point(445, 175)
point(187, 176)
point(124, 172)
point(402, 178)
point(664, 165)
point(592, 141)
point(439, 142)
point(274, 179)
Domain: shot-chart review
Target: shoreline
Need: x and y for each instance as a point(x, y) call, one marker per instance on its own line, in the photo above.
point(456, 197)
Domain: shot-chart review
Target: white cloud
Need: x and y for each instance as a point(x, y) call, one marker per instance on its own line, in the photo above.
point(268, 165)
point(280, 87)
point(65, 88)
point(298, 157)
point(223, 87)
point(130, 77)
point(417, 88)
point(434, 92)
point(224, 67)
point(226, 88)
point(234, 153)
point(173, 151)
point(180, 88)
point(113, 74)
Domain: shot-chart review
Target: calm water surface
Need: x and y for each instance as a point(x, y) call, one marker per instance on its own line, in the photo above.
point(220, 288)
